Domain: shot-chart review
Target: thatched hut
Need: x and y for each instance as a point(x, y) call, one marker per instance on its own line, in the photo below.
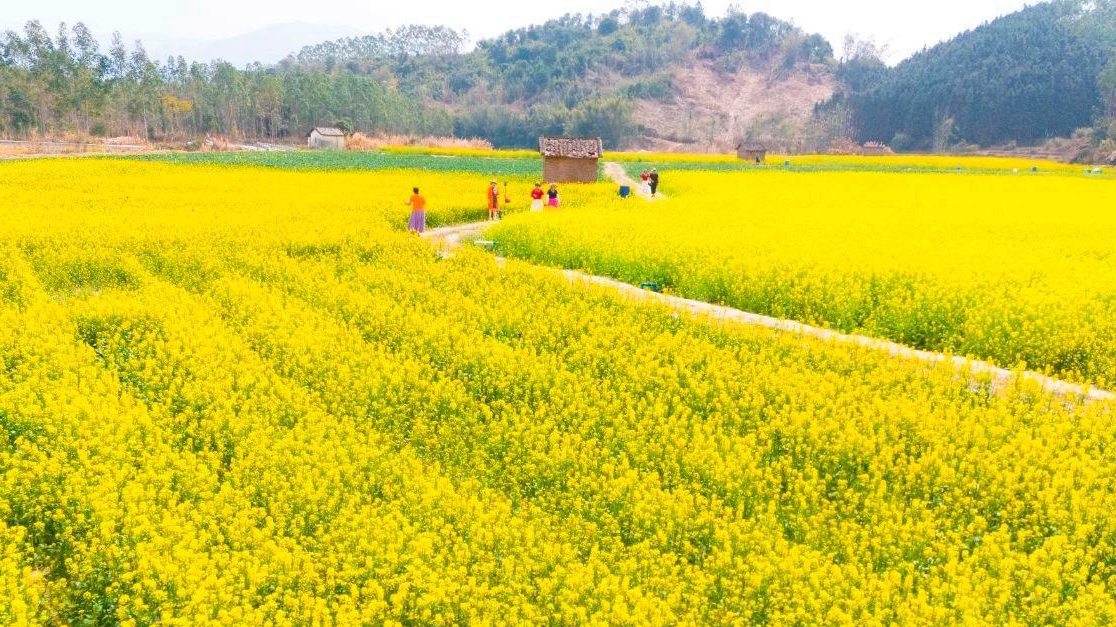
point(570, 159)
point(752, 151)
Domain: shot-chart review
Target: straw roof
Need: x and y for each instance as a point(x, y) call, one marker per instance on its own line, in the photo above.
point(571, 147)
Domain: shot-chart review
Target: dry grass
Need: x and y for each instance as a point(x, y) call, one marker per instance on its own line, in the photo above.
point(66, 143)
point(360, 141)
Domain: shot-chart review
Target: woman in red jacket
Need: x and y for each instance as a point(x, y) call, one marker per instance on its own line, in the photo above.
point(537, 198)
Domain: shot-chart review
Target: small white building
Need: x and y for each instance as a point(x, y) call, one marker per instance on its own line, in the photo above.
point(326, 137)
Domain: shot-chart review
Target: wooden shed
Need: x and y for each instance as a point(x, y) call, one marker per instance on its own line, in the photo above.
point(752, 151)
point(326, 137)
point(570, 159)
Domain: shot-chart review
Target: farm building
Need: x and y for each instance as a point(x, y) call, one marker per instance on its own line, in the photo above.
point(570, 159)
point(875, 149)
point(752, 151)
point(326, 137)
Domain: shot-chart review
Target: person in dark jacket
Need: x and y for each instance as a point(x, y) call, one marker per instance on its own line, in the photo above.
point(653, 182)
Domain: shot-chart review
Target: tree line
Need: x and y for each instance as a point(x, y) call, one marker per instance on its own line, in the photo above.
point(578, 74)
point(65, 83)
point(1046, 71)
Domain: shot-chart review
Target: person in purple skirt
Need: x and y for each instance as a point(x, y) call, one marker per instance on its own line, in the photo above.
point(418, 212)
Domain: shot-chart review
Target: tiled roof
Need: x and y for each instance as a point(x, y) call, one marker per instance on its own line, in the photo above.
point(329, 131)
point(572, 147)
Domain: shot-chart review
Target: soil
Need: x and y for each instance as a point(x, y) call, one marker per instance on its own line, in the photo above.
point(712, 111)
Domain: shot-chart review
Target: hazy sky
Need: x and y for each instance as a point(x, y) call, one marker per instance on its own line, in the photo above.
point(904, 27)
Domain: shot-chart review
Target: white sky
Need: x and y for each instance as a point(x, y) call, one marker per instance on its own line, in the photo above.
point(904, 27)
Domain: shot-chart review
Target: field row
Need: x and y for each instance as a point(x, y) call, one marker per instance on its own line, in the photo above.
point(497, 163)
point(527, 163)
point(354, 431)
point(907, 164)
point(219, 411)
point(90, 193)
point(1015, 270)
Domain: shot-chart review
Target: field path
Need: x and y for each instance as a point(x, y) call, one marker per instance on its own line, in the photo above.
point(450, 237)
point(616, 172)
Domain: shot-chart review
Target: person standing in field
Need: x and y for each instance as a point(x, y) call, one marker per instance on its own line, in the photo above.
point(493, 200)
point(418, 212)
point(552, 196)
point(644, 180)
point(653, 181)
point(537, 198)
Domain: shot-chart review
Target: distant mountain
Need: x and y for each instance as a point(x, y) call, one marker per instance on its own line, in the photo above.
point(665, 77)
point(657, 77)
point(267, 45)
point(1036, 74)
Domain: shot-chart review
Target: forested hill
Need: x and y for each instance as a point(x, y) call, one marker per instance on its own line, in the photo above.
point(661, 77)
point(601, 74)
point(621, 75)
point(1042, 72)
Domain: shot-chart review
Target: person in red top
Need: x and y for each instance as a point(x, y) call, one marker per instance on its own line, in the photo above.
point(493, 200)
point(537, 198)
point(418, 212)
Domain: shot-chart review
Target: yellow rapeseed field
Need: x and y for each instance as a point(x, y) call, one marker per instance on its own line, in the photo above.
point(1012, 268)
point(928, 162)
point(854, 162)
point(238, 396)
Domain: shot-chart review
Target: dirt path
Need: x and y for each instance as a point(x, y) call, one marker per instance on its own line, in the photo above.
point(450, 237)
point(616, 172)
point(1001, 379)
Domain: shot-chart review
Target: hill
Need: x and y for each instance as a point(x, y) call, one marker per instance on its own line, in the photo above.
point(652, 76)
point(648, 77)
point(1039, 73)
point(657, 77)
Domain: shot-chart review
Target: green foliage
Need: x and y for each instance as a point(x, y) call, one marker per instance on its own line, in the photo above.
point(1106, 84)
point(67, 84)
point(569, 71)
point(1024, 77)
point(574, 74)
point(658, 88)
point(343, 160)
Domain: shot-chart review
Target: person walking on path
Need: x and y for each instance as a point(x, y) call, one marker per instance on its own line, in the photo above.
point(552, 196)
point(653, 181)
point(418, 212)
point(645, 182)
point(493, 200)
point(537, 198)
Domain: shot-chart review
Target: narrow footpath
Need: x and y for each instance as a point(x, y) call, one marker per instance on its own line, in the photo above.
point(450, 237)
point(618, 175)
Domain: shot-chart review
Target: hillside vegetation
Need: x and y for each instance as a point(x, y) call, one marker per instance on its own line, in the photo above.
point(657, 77)
point(577, 74)
point(598, 74)
point(1042, 72)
